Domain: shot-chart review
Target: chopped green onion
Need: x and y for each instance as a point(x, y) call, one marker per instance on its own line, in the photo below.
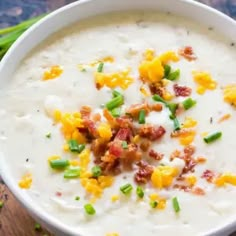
point(126, 189)
point(100, 67)
point(158, 98)
point(212, 137)
point(115, 102)
point(77, 198)
point(141, 117)
point(153, 204)
point(72, 172)
point(89, 209)
point(37, 227)
point(172, 107)
point(176, 204)
point(116, 93)
point(75, 147)
point(167, 70)
point(174, 75)
point(48, 135)
point(59, 164)
point(1, 204)
point(139, 192)
point(83, 70)
point(176, 124)
point(124, 145)
point(116, 112)
point(188, 103)
point(96, 171)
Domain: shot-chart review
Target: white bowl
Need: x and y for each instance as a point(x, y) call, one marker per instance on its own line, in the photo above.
point(75, 12)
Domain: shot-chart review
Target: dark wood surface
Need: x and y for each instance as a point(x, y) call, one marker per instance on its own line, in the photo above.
point(14, 219)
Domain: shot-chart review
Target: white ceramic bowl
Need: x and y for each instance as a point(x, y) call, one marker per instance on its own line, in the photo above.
point(75, 12)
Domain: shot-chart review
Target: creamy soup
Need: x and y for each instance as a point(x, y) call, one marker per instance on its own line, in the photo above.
point(124, 124)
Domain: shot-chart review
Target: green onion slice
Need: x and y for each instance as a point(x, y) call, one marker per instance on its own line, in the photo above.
point(124, 145)
point(158, 98)
point(141, 117)
point(176, 124)
point(96, 171)
point(153, 204)
point(37, 226)
point(174, 75)
point(116, 112)
point(89, 209)
point(213, 137)
point(74, 146)
point(175, 204)
point(100, 67)
point(72, 172)
point(115, 93)
point(1, 204)
point(172, 107)
point(167, 70)
point(48, 135)
point(77, 198)
point(139, 192)
point(189, 103)
point(126, 189)
point(59, 164)
point(115, 102)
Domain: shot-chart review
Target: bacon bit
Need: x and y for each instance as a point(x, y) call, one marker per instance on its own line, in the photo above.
point(156, 107)
point(157, 89)
point(175, 154)
point(115, 148)
point(201, 160)
point(130, 156)
point(90, 125)
point(123, 134)
point(208, 175)
point(109, 117)
point(189, 150)
point(58, 194)
point(85, 112)
point(112, 167)
point(182, 91)
point(136, 108)
point(198, 191)
point(155, 155)
point(187, 53)
point(144, 145)
point(124, 122)
point(98, 147)
point(182, 187)
point(144, 172)
point(96, 117)
point(108, 158)
point(189, 165)
point(224, 118)
point(151, 132)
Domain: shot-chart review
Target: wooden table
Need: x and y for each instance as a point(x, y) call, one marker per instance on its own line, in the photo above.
point(14, 219)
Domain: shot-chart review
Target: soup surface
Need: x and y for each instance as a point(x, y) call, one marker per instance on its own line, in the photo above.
point(125, 124)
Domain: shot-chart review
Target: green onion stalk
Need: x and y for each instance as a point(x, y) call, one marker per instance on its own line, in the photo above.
point(9, 35)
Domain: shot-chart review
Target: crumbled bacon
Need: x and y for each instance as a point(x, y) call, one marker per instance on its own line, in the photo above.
point(151, 132)
point(98, 147)
point(124, 122)
point(180, 132)
point(175, 154)
point(144, 145)
point(187, 53)
point(182, 91)
point(189, 165)
point(124, 134)
point(90, 125)
point(208, 175)
point(85, 112)
point(58, 194)
point(157, 89)
point(136, 108)
point(111, 167)
point(201, 160)
point(182, 187)
point(198, 191)
point(115, 148)
point(155, 155)
point(156, 107)
point(189, 150)
point(144, 172)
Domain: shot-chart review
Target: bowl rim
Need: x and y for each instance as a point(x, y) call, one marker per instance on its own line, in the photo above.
point(37, 212)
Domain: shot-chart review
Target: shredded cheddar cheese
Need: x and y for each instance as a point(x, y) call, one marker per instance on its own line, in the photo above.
point(230, 94)
point(53, 73)
point(204, 81)
point(26, 181)
point(226, 178)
